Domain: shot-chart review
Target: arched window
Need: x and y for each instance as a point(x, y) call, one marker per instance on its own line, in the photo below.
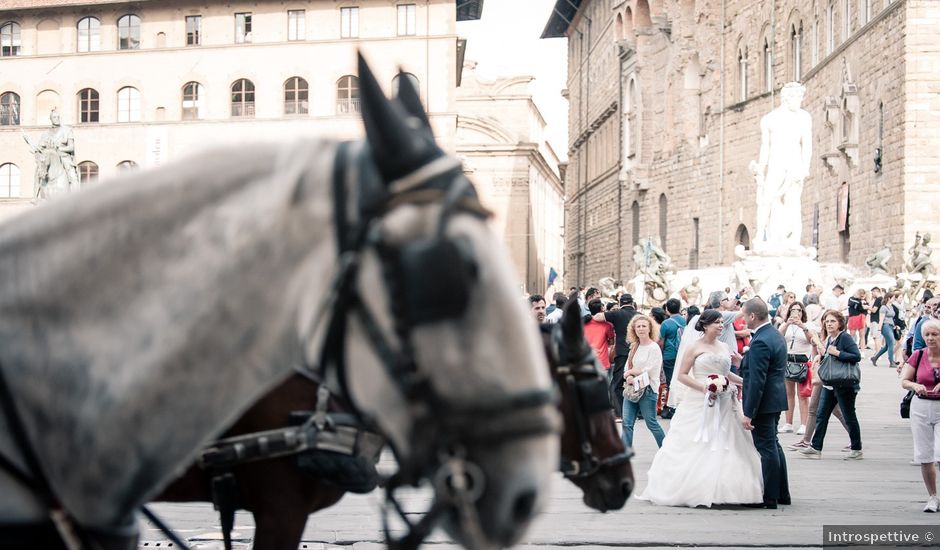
point(742, 74)
point(128, 104)
point(126, 166)
point(743, 237)
point(767, 58)
point(9, 109)
point(796, 50)
point(88, 105)
point(635, 222)
point(89, 34)
point(846, 19)
point(46, 102)
point(296, 91)
point(9, 180)
point(192, 101)
point(10, 39)
point(663, 219)
point(641, 17)
point(618, 28)
point(347, 95)
point(830, 28)
point(129, 32)
point(628, 23)
point(87, 173)
point(409, 76)
point(243, 98)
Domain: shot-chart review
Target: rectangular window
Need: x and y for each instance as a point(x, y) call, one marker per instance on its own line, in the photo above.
point(88, 106)
point(406, 19)
point(830, 29)
point(846, 19)
point(296, 25)
point(349, 22)
point(193, 30)
point(242, 28)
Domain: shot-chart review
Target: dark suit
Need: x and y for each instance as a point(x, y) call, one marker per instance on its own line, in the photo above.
point(765, 397)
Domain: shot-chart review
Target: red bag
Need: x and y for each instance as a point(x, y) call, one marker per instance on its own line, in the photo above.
point(805, 387)
point(663, 397)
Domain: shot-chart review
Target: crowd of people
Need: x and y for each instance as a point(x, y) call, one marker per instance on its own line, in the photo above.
point(655, 358)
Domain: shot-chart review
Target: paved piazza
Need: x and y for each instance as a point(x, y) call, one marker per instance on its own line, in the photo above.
point(881, 489)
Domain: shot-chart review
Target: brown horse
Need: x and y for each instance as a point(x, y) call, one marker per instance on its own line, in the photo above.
point(280, 496)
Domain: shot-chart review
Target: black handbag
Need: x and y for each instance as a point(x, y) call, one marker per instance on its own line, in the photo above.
point(796, 368)
point(836, 372)
point(796, 365)
point(906, 400)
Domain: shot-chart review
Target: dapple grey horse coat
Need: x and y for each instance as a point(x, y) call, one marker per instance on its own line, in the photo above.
point(187, 278)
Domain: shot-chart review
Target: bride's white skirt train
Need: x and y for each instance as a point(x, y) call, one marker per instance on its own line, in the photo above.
point(707, 457)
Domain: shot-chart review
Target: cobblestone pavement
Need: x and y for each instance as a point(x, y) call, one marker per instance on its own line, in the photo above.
point(883, 489)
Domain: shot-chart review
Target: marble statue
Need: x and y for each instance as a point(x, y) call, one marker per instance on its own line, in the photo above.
point(692, 293)
point(878, 262)
point(785, 154)
point(919, 260)
point(55, 159)
point(653, 265)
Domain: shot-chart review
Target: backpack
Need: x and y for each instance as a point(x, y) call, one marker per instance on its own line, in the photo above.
point(898, 320)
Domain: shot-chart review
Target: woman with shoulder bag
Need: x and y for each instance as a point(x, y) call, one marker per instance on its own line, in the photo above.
point(838, 346)
point(922, 376)
point(642, 378)
point(799, 337)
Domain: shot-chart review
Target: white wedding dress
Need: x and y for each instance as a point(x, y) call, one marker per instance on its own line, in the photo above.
point(707, 457)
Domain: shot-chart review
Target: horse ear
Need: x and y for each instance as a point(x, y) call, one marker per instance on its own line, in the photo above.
point(572, 327)
point(397, 148)
point(411, 100)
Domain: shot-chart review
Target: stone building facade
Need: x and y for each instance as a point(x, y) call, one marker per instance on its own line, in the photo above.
point(501, 139)
point(145, 82)
point(685, 83)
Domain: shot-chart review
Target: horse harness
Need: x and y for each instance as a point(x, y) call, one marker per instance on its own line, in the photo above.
point(587, 387)
point(331, 447)
point(433, 278)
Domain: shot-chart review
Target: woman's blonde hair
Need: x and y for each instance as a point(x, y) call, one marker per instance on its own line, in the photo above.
point(631, 328)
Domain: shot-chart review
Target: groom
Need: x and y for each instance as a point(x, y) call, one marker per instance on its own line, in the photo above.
point(764, 398)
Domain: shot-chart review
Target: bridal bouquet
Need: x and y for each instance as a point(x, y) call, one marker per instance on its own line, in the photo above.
point(715, 384)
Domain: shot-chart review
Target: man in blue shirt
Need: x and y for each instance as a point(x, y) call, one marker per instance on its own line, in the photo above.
point(930, 310)
point(670, 332)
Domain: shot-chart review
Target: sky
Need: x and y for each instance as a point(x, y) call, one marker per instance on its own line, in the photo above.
point(505, 42)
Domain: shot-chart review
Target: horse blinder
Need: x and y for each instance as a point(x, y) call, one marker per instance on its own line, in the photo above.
point(438, 275)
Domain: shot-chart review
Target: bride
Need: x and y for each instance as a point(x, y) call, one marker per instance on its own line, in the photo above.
point(707, 457)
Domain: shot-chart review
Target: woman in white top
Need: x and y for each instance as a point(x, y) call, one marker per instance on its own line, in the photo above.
point(644, 366)
point(800, 336)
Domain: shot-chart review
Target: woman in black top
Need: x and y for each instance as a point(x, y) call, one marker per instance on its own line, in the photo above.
point(838, 344)
point(858, 311)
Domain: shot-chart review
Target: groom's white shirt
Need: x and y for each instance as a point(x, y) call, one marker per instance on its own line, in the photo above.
point(760, 327)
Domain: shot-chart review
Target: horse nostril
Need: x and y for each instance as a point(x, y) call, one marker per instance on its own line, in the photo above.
point(524, 506)
point(627, 488)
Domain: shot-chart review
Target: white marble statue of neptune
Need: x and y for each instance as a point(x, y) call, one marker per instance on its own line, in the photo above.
point(785, 153)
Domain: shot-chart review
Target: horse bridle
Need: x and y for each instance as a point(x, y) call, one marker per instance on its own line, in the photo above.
point(434, 275)
point(585, 383)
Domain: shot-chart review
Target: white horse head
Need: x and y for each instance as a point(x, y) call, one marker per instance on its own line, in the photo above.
point(138, 321)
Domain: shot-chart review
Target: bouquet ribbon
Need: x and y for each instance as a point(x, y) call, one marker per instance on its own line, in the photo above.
point(710, 430)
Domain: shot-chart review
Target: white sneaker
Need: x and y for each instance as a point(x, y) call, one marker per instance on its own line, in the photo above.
point(802, 429)
point(933, 503)
point(785, 429)
point(852, 455)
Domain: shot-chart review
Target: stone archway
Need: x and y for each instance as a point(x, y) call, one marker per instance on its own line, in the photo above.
point(742, 237)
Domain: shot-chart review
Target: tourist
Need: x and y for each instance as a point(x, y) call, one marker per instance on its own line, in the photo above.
point(659, 315)
point(874, 320)
point(931, 311)
point(599, 334)
point(799, 335)
point(775, 300)
point(838, 300)
point(886, 314)
point(840, 345)
point(554, 316)
point(813, 310)
point(691, 312)
point(669, 333)
point(537, 305)
point(922, 375)
point(620, 319)
point(644, 368)
point(788, 298)
point(856, 323)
